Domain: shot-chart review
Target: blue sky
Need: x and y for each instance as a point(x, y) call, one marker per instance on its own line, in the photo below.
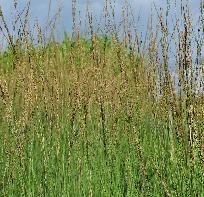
point(39, 9)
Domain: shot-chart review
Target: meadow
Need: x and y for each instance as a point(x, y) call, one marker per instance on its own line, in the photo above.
point(105, 112)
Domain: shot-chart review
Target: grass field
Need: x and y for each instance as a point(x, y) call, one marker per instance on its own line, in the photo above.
point(103, 115)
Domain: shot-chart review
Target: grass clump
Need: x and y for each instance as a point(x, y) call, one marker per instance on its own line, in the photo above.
point(103, 115)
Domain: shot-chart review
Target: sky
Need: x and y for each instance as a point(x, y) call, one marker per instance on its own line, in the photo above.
point(39, 10)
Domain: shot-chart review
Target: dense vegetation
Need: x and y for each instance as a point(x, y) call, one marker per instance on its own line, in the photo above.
point(103, 115)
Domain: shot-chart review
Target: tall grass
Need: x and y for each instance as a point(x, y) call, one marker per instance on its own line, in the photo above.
point(107, 114)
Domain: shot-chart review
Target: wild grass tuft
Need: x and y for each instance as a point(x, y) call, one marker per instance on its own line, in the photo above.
point(104, 113)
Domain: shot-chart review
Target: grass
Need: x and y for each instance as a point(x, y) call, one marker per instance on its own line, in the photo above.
point(102, 116)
